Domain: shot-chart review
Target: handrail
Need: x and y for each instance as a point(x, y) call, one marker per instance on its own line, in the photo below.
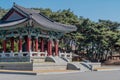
point(65, 55)
point(21, 54)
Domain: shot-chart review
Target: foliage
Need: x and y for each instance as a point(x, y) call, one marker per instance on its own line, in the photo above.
point(2, 12)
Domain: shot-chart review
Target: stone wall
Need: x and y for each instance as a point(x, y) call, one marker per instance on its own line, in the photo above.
point(49, 66)
point(16, 66)
point(31, 66)
point(15, 59)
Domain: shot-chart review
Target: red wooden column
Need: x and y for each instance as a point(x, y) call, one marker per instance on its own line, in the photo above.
point(28, 43)
point(12, 44)
point(4, 45)
point(32, 45)
point(48, 45)
point(36, 44)
point(42, 45)
point(56, 47)
point(49, 48)
point(20, 44)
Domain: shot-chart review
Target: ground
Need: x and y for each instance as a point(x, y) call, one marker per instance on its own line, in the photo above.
point(102, 75)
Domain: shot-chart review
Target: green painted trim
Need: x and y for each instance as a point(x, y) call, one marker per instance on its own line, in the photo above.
point(33, 31)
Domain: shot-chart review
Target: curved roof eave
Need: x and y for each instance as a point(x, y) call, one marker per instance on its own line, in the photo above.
point(53, 25)
point(10, 24)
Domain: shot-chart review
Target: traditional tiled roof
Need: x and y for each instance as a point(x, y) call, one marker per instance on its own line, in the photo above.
point(42, 20)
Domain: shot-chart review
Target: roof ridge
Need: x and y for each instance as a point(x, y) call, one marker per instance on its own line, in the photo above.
point(30, 12)
point(17, 6)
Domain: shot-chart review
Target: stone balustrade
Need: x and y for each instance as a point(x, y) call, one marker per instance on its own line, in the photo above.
point(36, 56)
point(22, 54)
point(65, 55)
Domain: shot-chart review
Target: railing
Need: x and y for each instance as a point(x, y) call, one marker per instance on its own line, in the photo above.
point(65, 55)
point(38, 54)
point(33, 54)
point(15, 54)
point(23, 54)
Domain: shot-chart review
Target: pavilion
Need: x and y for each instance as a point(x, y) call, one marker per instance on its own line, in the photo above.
point(35, 34)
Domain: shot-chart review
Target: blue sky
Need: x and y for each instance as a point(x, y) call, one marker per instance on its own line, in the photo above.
point(93, 9)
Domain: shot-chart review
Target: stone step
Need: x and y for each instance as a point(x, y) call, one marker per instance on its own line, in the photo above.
point(55, 59)
point(83, 67)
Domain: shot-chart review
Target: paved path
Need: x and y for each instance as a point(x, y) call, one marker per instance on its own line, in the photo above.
point(112, 66)
point(103, 75)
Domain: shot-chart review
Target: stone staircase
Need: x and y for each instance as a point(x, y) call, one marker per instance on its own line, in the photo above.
point(65, 59)
point(55, 59)
point(82, 66)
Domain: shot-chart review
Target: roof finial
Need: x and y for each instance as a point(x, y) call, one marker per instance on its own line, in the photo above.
point(14, 3)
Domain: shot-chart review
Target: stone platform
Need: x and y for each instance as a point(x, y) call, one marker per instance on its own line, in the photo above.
point(32, 66)
point(49, 66)
point(48, 63)
point(38, 72)
point(16, 66)
point(33, 63)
